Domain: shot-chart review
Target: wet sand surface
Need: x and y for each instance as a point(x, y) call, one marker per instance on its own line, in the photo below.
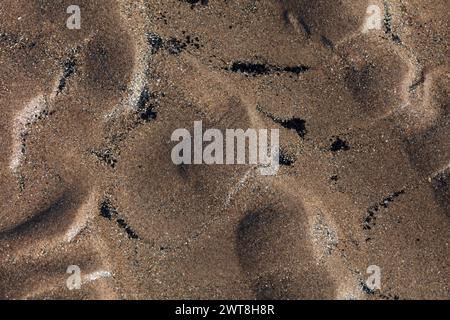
point(87, 177)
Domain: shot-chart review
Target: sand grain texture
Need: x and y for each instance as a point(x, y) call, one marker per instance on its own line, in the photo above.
point(87, 178)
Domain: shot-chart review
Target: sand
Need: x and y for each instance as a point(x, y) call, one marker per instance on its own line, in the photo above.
point(87, 178)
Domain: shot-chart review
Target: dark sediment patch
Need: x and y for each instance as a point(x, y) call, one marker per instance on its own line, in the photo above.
point(375, 209)
point(339, 145)
point(258, 69)
point(70, 66)
point(296, 124)
point(108, 211)
point(286, 159)
point(388, 24)
point(194, 3)
point(106, 156)
point(172, 45)
point(155, 42)
point(145, 106)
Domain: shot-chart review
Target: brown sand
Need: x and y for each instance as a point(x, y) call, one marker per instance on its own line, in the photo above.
point(87, 179)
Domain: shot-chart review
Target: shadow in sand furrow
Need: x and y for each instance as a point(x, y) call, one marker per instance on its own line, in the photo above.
point(54, 220)
point(441, 185)
point(331, 20)
point(43, 275)
point(374, 75)
point(275, 255)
